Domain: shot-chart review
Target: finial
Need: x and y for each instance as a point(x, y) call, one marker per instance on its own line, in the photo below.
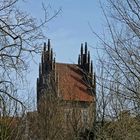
point(42, 58)
point(81, 54)
point(54, 60)
point(49, 45)
point(79, 60)
point(85, 47)
point(81, 48)
point(54, 66)
point(54, 69)
point(85, 58)
point(89, 57)
point(51, 54)
point(40, 70)
point(44, 46)
point(91, 67)
point(94, 81)
point(57, 83)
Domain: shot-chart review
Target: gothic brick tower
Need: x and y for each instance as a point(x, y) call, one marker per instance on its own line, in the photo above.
point(73, 84)
point(48, 79)
point(61, 78)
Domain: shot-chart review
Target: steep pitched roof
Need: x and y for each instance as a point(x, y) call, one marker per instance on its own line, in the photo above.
point(71, 84)
point(74, 82)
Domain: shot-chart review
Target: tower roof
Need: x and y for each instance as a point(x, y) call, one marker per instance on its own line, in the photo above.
point(73, 82)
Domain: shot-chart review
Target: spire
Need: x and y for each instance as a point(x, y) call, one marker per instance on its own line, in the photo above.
point(84, 60)
point(57, 80)
point(51, 54)
point(89, 57)
point(42, 58)
point(81, 54)
point(81, 48)
point(54, 63)
point(51, 58)
point(54, 69)
point(91, 72)
point(89, 62)
point(85, 47)
point(79, 60)
point(91, 67)
point(40, 70)
point(94, 81)
point(44, 46)
point(49, 45)
point(85, 52)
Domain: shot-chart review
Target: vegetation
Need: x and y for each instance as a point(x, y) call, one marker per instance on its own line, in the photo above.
point(20, 35)
point(119, 77)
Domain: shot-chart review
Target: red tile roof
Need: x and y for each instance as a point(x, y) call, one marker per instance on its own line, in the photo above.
point(71, 84)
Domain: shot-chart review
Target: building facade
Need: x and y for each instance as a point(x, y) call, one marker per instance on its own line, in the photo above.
point(71, 87)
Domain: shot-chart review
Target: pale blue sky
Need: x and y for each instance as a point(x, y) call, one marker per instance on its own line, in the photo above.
point(69, 29)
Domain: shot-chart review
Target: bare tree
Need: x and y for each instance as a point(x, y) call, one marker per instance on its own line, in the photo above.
point(20, 35)
point(48, 122)
point(120, 79)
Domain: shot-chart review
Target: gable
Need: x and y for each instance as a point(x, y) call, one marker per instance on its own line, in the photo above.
point(71, 84)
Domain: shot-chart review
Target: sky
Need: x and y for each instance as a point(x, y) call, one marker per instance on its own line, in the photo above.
point(71, 26)
point(68, 29)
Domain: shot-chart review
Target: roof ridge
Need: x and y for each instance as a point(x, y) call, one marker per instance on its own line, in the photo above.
point(65, 63)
